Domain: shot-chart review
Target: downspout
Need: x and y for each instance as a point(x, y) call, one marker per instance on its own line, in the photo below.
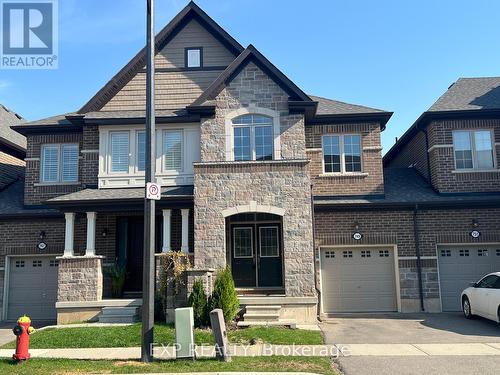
point(419, 260)
point(318, 291)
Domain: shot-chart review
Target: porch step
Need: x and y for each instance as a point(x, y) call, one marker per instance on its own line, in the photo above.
point(261, 317)
point(263, 309)
point(123, 314)
point(261, 314)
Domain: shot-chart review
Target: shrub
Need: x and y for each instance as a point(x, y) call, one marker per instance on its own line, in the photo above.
point(224, 295)
point(118, 275)
point(198, 301)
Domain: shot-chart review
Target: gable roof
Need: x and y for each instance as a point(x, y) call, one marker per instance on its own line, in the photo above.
point(251, 54)
point(470, 94)
point(190, 11)
point(466, 98)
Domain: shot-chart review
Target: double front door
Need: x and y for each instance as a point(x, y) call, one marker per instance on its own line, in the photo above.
point(257, 255)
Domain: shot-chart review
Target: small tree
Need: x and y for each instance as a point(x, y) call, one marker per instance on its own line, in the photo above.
point(198, 301)
point(224, 295)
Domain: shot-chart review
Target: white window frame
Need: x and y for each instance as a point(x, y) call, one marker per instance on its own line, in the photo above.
point(163, 151)
point(131, 155)
point(472, 138)
point(200, 51)
point(342, 153)
point(251, 243)
point(136, 163)
point(253, 110)
point(60, 147)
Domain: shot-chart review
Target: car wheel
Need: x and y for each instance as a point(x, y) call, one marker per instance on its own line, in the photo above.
point(466, 308)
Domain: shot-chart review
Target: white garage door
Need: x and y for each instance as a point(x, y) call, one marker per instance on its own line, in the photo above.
point(460, 265)
point(32, 288)
point(358, 280)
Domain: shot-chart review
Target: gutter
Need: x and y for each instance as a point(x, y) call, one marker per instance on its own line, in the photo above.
point(419, 259)
point(318, 291)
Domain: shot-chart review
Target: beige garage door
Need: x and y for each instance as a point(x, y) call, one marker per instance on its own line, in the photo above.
point(32, 288)
point(460, 265)
point(358, 280)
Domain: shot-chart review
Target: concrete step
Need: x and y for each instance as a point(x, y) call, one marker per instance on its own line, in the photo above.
point(120, 311)
point(280, 322)
point(263, 309)
point(118, 319)
point(261, 317)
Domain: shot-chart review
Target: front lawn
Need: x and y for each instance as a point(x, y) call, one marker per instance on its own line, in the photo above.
point(127, 336)
point(319, 365)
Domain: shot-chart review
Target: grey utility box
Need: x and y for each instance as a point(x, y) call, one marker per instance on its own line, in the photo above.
point(184, 332)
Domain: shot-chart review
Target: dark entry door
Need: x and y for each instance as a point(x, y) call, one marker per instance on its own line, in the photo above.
point(256, 255)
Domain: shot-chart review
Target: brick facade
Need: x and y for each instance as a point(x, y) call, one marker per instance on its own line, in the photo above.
point(369, 181)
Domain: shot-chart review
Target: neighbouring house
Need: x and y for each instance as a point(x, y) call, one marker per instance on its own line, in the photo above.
point(288, 189)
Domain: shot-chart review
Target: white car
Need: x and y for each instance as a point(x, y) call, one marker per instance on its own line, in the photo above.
point(483, 298)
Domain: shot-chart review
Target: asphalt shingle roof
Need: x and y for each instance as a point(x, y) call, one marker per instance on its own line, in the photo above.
point(470, 94)
point(7, 119)
point(11, 202)
point(90, 195)
point(406, 186)
point(334, 107)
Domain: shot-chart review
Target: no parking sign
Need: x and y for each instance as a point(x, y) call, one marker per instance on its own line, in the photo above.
point(153, 191)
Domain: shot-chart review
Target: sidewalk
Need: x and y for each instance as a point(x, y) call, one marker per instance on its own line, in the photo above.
point(338, 350)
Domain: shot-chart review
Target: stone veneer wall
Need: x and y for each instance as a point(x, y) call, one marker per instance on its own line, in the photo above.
point(282, 184)
point(80, 279)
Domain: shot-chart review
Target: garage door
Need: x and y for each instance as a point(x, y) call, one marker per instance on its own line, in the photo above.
point(461, 265)
point(32, 288)
point(358, 280)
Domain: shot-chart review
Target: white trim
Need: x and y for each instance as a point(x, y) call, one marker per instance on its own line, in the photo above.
point(253, 207)
point(415, 258)
point(89, 151)
point(6, 278)
point(314, 149)
point(475, 171)
point(167, 214)
point(56, 183)
point(60, 180)
point(251, 244)
point(31, 159)
point(342, 155)
point(69, 234)
point(472, 139)
point(252, 109)
point(185, 230)
point(134, 178)
point(372, 148)
point(91, 226)
point(432, 148)
point(394, 249)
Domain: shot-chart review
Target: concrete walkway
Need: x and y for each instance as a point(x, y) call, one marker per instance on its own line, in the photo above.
point(335, 351)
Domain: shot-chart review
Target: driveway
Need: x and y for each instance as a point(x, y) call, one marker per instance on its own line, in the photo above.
point(413, 329)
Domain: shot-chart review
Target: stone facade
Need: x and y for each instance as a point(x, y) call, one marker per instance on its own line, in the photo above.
point(80, 279)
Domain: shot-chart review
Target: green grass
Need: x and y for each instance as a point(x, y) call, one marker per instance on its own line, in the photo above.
point(318, 365)
point(127, 336)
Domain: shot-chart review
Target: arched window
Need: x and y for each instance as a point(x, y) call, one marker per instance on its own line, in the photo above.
point(253, 137)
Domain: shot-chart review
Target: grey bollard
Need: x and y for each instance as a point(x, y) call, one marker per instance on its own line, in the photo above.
point(220, 334)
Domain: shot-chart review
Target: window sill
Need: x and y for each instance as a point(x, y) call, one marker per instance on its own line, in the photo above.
point(56, 183)
point(346, 175)
point(475, 171)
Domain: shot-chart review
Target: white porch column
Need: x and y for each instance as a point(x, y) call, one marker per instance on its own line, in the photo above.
point(91, 221)
point(166, 230)
point(185, 230)
point(69, 234)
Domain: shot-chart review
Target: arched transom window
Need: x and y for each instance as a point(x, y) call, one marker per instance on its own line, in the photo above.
point(253, 137)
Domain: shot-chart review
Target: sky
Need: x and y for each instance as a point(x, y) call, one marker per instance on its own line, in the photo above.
point(396, 55)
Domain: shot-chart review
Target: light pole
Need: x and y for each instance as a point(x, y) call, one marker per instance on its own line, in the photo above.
point(149, 204)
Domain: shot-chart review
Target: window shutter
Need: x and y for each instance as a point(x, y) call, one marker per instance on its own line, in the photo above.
point(69, 163)
point(50, 163)
point(119, 152)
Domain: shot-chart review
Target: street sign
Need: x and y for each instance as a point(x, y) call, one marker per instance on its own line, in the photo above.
point(153, 191)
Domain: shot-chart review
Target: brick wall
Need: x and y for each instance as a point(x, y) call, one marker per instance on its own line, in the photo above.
point(369, 181)
point(89, 167)
point(36, 193)
point(414, 153)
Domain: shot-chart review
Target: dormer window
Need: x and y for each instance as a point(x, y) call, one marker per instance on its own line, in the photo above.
point(473, 150)
point(194, 57)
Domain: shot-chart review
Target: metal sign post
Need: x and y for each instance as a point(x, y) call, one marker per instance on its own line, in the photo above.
point(149, 204)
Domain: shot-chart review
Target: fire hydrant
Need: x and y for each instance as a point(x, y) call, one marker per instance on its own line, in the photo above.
point(22, 330)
